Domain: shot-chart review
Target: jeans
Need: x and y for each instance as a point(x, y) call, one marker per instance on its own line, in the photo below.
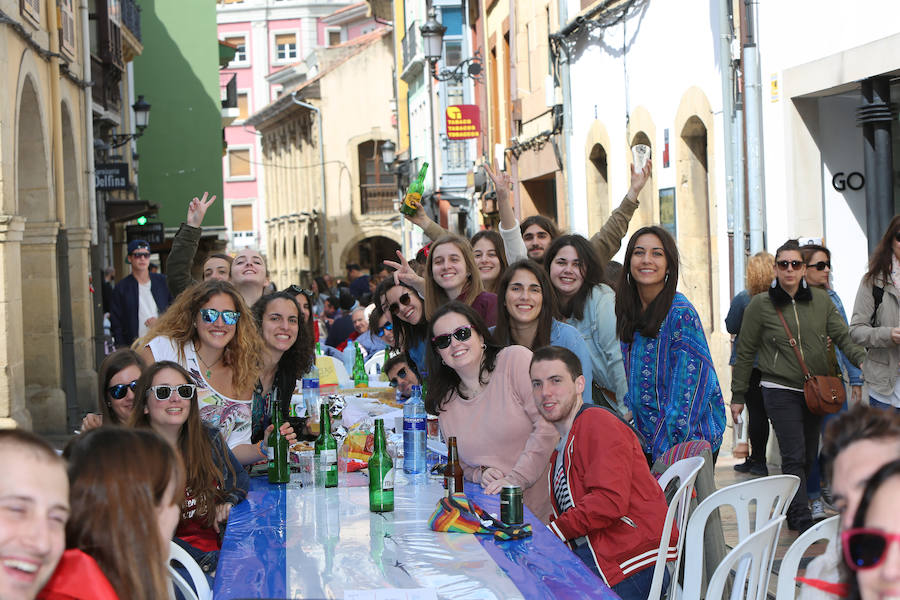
point(637, 587)
point(758, 426)
point(797, 431)
point(879, 404)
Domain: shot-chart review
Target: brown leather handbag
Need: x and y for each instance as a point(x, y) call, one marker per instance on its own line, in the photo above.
point(824, 394)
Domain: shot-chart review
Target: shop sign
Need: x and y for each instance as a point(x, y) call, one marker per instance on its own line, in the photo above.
point(111, 176)
point(463, 122)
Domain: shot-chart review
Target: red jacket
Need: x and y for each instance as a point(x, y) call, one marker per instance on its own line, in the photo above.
point(618, 504)
point(77, 577)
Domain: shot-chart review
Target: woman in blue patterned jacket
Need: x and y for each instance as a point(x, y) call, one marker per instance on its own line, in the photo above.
point(673, 391)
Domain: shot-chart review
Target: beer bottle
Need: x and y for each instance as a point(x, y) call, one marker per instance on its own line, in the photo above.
point(360, 377)
point(326, 452)
point(453, 474)
point(414, 193)
point(279, 472)
point(381, 473)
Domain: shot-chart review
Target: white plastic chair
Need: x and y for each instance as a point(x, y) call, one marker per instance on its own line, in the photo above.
point(685, 471)
point(771, 496)
point(790, 564)
point(751, 561)
point(375, 363)
point(180, 555)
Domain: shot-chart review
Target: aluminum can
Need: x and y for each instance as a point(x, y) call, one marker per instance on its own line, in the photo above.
point(511, 509)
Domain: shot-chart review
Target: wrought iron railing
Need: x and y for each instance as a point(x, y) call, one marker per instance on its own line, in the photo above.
point(131, 17)
point(377, 198)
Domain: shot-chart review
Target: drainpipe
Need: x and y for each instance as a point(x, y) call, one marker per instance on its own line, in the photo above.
point(88, 118)
point(565, 82)
point(753, 111)
point(322, 171)
point(513, 96)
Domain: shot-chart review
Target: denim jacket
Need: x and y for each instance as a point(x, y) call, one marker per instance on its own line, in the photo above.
point(598, 328)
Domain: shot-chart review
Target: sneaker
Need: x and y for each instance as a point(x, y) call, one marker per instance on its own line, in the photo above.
point(745, 466)
point(817, 510)
point(759, 468)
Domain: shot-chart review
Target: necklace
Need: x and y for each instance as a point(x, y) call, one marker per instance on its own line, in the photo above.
point(208, 367)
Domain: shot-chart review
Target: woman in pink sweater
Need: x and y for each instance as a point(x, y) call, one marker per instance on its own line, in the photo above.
point(481, 393)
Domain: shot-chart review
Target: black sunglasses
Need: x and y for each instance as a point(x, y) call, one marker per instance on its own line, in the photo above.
point(897, 236)
point(401, 374)
point(117, 392)
point(386, 327)
point(866, 548)
point(404, 300)
point(821, 265)
point(784, 264)
point(296, 289)
point(460, 333)
point(140, 255)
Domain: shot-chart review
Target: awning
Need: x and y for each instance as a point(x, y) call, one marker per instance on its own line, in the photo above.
point(118, 211)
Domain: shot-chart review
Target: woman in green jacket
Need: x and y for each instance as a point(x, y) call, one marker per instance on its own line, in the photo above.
point(812, 319)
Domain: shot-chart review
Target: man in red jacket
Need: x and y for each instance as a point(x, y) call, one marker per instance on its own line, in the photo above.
point(606, 505)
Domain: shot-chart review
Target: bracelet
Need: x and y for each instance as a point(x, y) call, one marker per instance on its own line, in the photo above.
point(262, 452)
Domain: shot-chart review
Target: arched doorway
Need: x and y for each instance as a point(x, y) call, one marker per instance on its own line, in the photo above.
point(369, 253)
point(692, 200)
point(597, 170)
point(40, 310)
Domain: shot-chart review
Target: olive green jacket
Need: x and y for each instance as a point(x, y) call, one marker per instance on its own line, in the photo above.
point(812, 318)
point(181, 258)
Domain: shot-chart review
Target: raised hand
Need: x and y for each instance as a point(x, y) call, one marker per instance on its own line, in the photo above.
point(639, 179)
point(404, 273)
point(502, 184)
point(197, 209)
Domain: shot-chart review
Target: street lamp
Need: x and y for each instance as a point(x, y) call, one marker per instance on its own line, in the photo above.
point(141, 119)
point(433, 38)
point(388, 153)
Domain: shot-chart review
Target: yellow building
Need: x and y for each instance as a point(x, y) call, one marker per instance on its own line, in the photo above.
point(330, 199)
point(46, 306)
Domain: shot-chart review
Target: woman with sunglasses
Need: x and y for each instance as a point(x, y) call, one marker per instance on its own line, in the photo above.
point(119, 373)
point(481, 393)
point(872, 546)
point(304, 301)
point(526, 316)
point(876, 319)
point(588, 305)
point(812, 318)
point(407, 311)
point(673, 391)
point(490, 258)
point(210, 332)
point(166, 401)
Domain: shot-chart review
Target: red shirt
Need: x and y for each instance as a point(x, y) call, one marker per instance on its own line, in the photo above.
point(77, 577)
point(193, 527)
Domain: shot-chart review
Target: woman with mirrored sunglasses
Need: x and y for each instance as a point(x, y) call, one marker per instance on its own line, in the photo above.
point(119, 373)
point(872, 546)
point(166, 401)
point(211, 333)
point(875, 323)
point(481, 394)
point(812, 318)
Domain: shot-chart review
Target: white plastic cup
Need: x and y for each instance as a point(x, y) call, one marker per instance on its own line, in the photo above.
point(640, 154)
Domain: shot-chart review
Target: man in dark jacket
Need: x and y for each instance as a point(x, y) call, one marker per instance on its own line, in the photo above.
point(139, 298)
point(607, 506)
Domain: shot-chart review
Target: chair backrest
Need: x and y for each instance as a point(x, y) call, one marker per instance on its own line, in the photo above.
point(685, 471)
point(823, 530)
point(375, 363)
point(180, 555)
point(751, 561)
point(771, 497)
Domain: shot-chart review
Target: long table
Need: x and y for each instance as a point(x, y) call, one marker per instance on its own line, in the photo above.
point(291, 542)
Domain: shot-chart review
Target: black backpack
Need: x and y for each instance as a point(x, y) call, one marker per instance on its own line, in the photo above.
point(877, 296)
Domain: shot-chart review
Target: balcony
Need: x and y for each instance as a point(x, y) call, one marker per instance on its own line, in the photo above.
point(230, 110)
point(105, 91)
point(131, 18)
point(413, 54)
point(377, 198)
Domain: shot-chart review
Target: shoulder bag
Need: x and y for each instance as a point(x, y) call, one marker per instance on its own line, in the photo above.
point(824, 394)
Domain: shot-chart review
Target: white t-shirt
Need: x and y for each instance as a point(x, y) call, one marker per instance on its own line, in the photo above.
point(147, 308)
point(231, 417)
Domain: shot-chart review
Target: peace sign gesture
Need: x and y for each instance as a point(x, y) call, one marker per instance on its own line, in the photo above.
point(405, 274)
point(197, 209)
point(502, 183)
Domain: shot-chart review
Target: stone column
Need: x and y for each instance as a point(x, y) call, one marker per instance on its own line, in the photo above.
point(83, 315)
point(13, 412)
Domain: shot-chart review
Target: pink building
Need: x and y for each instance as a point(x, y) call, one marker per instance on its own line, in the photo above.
point(269, 35)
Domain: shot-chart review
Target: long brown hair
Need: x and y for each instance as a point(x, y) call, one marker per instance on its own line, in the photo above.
point(435, 296)
point(881, 260)
point(112, 364)
point(591, 272)
point(203, 477)
point(179, 323)
point(759, 272)
point(496, 241)
point(118, 481)
point(503, 332)
point(296, 360)
point(630, 316)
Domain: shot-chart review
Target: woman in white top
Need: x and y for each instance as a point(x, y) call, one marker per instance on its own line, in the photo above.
point(210, 332)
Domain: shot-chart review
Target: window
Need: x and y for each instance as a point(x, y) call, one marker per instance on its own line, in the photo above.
point(242, 217)
point(334, 37)
point(243, 102)
point(31, 10)
point(240, 54)
point(285, 46)
point(67, 28)
point(239, 163)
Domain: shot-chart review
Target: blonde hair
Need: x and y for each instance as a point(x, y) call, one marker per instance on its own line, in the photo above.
point(435, 296)
point(178, 323)
point(759, 272)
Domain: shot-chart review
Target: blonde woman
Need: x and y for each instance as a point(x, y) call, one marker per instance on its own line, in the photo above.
point(759, 277)
point(210, 332)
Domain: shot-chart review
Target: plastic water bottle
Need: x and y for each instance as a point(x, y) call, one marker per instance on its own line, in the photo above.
point(414, 431)
point(310, 387)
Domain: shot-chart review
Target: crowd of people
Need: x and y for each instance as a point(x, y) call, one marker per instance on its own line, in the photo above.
point(555, 370)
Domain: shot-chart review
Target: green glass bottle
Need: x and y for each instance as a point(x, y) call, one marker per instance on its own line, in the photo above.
point(326, 452)
point(414, 193)
point(381, 473)
point(279, 471)
point(360, 377)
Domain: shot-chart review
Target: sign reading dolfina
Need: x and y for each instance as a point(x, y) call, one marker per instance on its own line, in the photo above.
point(463, 122)
point(111, 176)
